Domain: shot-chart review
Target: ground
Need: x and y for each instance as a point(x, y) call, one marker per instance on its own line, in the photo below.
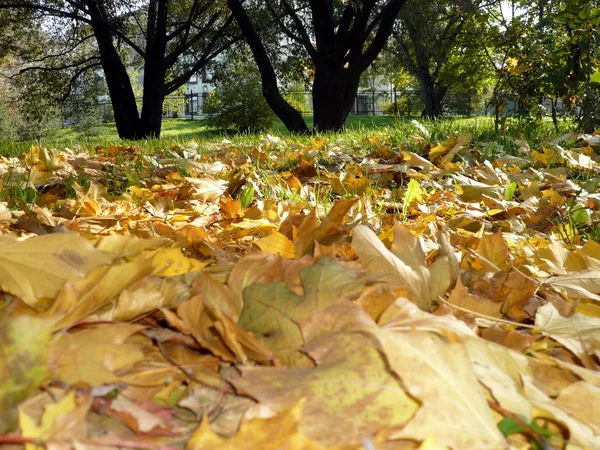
point(398, 285)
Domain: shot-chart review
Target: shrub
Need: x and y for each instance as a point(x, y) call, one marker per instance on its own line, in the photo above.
point(237, 101)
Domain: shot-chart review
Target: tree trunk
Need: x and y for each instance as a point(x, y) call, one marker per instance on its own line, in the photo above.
point(432, 96)
point(121, 96)
point(555, 113)
point(152, 102)
point(291, 118)
point(332, 100)
point(117, 80)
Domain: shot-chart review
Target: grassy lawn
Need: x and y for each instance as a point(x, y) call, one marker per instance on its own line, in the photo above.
point(398, 130)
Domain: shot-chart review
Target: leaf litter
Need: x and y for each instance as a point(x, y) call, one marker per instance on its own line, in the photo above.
point(342, 295)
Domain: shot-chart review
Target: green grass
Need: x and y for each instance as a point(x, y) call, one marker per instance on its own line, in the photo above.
point(398, 129)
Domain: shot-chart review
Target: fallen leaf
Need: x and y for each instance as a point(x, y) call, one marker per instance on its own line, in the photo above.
point(87, 295)
point(24, 359)
point(39, 267)
point(272, 433)
point(438, 373)
point(379, 260)
point(96, 356)
point(277, 244)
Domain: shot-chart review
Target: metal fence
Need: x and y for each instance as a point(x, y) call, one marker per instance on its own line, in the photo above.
point(388, 103)
point(189, 106)
point(374, 103)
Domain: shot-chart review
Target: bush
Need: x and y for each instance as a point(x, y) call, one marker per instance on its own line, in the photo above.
point(407, 103)
point(237, 101)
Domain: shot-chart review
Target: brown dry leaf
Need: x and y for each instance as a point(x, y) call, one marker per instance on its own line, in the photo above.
point(274, 433)
point(246, 346)
point(304, 240)
point(580, 432)
point(39, 267)
point(460, 296)
point(510, 338)
point(375, 300)
point(145, 295)
point(63, 418)
point(144, 418)
point(579, 333)
point(253, 269)
point(518, 292)
point(272, 311)
point(171, 262)
point(492, 248)
point(331, 228)
point(88, 295)
point(350, 391)
point(445, 270)
point(409, 272)
point(128, 246)
point(570, 400)
point(217, 296)
point(96, 355)
point(438, 373)
point(158, 379)
point(325, 233)
point(193, 319)
point(577, 285)
point(202, 401)
point(525, 386)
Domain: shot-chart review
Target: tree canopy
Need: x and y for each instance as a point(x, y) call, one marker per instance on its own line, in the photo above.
point(341, 40)
point(168, 40)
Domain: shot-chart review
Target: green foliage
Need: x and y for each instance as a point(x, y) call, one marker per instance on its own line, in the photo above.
point(445, 55)
point(9, 114)
point(82, 107)
point(237, 101)
point(39, 111)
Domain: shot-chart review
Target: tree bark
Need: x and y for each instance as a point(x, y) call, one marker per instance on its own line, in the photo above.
point(332, 100)
point(152, 102)
point(291, 118)
point(117, 80)
point(433, 95)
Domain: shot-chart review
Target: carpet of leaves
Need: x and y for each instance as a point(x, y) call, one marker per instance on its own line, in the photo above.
point(346, 295)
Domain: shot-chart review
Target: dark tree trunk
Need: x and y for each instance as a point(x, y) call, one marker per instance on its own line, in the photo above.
point(555, 113)
point(154, 69)
point(117, 80)
point(433, 96)
point(332, 100)
point(291, 118)
point(154, 96)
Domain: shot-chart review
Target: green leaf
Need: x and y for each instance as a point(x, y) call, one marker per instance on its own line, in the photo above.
point(247, 195)
point(581, 216)
point(508, 426)
point(509, 193)
point(595, 77)
point(413, 192)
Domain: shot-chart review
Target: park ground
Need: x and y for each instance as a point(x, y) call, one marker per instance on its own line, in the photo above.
point(401, 284)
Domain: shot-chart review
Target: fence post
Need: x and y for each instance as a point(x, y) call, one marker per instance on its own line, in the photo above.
point(192, 103)
point(395, 102)
point(373, 102)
